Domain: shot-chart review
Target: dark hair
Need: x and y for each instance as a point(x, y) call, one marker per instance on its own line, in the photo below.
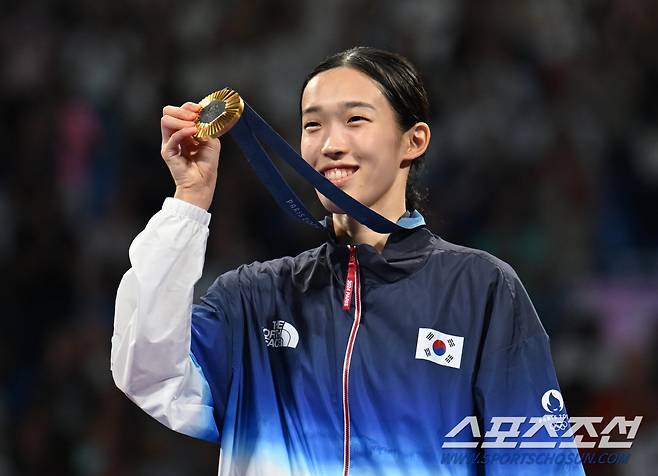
point(403, 88)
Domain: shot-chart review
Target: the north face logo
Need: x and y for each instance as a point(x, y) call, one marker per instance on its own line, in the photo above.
point(282, 334)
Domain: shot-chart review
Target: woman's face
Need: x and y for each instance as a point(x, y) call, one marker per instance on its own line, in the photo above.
point(351, 136)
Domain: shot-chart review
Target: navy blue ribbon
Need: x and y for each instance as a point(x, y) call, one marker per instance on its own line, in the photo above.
point(252, 129)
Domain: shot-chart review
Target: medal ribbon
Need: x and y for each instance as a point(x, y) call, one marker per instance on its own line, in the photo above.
point(251, 131)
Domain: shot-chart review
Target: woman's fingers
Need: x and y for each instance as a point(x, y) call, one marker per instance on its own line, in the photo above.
point(187, 111)
point(175, 118)
point(172, 146)
point(191, 106)
point(170, 124)
point(184, 113)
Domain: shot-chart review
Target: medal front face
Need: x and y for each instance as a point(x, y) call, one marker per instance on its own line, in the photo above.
point(220, 111)
point(212, 111)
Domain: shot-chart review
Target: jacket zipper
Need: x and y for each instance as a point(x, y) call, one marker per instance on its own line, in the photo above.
point(352, 287)
point(350, 279)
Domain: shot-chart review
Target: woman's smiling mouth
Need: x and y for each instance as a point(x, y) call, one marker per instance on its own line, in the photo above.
point(339, 175)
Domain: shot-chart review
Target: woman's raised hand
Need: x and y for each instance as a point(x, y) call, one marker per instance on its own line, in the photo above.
point(193, 163)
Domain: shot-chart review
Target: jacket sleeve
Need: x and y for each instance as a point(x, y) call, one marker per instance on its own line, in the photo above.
point(516, 380)
point(151, 359)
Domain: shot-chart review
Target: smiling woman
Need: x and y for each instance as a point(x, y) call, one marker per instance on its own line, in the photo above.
point(358, 356)
point(387, 76)
point(364, 114)
point(359, 144)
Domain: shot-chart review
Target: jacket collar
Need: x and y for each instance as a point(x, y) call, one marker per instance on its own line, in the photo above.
point(405, 252)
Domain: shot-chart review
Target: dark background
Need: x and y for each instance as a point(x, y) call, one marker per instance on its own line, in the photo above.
point(544, 153)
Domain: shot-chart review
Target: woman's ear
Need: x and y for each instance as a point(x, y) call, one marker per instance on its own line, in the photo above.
point(415, 141)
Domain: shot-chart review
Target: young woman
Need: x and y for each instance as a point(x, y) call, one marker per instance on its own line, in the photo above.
point(358, 356)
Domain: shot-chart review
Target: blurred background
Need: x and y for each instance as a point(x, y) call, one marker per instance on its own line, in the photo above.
point(544, 153)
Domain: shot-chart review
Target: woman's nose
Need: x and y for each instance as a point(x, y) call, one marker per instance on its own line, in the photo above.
point(334, 147)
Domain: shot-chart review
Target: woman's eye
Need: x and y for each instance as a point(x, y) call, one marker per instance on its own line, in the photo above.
point(311, 124)
point(357, 118)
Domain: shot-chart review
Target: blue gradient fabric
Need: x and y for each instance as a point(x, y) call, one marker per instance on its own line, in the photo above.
point(272, 366)
point(279, 408)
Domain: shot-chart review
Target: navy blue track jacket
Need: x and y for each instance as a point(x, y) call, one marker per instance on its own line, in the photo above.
point(341, 360)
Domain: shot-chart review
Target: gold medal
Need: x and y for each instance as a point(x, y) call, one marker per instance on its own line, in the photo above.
point(220, 111)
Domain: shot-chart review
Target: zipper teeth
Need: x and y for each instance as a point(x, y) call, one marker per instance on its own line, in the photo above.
point(346, 370)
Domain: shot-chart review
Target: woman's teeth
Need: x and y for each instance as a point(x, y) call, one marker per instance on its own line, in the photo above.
point(333, 174)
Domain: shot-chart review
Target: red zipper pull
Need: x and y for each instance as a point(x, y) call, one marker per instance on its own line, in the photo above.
point(351, 278)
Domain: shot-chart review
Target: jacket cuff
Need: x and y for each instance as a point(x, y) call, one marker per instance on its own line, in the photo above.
point(182, 208)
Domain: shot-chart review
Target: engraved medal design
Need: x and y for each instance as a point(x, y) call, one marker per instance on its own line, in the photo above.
point(220, 111)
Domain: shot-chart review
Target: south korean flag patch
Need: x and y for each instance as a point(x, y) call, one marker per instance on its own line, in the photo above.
point(440, 348)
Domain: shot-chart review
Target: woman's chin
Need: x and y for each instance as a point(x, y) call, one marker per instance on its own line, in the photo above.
point(328, 205)
point(331, 207)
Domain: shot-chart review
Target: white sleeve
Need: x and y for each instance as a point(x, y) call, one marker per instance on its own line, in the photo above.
point(150, 360)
